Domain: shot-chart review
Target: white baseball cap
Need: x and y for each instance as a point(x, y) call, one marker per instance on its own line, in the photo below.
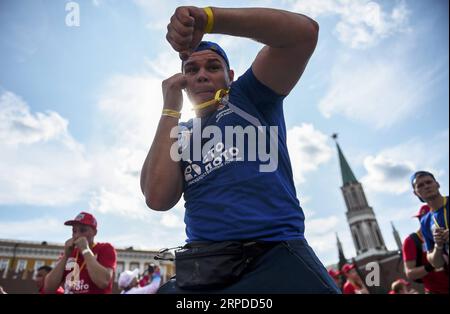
point(127, 277)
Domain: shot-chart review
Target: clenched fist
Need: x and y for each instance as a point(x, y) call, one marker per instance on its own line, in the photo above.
point(81, 243)
point(172, 95)
point(186, 29)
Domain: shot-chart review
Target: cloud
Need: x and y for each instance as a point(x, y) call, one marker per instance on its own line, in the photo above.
point(389, 171)
point(41, 163)
point(171, 220)
point(321, 233)
point(308, 149)
point(362, 23)
point(19, 126)
point(158, 12)
point(397, 215)
point(130, 106)
point(321, 226)
point(33, 229)
point(377, 91)
point(386, 174)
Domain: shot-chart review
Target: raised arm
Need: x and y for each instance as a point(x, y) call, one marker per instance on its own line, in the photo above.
point(161, 177)
point(289, 38)
point(436, 255)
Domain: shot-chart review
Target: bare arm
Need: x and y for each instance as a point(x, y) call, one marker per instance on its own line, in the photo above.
point(55, 277)
point(161, 177)
point(290, 40)
point(161, 180)
point(436, 257)
point(99, 274)
point(413, 272)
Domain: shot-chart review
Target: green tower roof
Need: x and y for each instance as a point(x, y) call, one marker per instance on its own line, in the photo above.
point(346, 171)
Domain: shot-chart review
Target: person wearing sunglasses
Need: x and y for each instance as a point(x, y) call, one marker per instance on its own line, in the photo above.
point(86, 267)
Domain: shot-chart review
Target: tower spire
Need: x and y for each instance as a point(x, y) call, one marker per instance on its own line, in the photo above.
point(397, 238)
point(346, 172)
point(342, 259)
point(363, 224)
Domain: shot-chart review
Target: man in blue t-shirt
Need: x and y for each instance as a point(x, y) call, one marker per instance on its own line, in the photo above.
point(434, 225)
point(231, 162)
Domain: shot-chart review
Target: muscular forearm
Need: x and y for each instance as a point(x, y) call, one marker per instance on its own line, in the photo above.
point(55, 276)
point(161, 180)
point(274, 28)
point(99, 274)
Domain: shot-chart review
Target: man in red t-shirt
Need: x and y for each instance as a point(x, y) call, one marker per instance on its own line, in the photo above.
point(354, 284)
point(86, 267)
point(417, 267)
point(39, 278)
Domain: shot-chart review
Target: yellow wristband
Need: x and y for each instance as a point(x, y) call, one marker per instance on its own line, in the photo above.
point(171, 113)
point(210, 22)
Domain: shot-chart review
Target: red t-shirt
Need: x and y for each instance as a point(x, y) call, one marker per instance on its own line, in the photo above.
point(76, 282)
point(435, 282)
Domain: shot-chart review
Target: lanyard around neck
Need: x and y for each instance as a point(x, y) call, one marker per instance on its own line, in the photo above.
point(84, 262)
point(217, 98)
point(445, 215)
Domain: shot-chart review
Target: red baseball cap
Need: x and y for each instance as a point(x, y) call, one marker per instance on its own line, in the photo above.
point(347, 267)
point(422, 211)
point(84, 219)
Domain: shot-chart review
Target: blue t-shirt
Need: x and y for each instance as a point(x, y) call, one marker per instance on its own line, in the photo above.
point(227, 196)
point(427, 225)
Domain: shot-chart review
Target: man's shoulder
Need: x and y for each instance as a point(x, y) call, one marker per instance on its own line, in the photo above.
point(409, 247)
point(249, 88)
point(244, 81)
point(408, 240)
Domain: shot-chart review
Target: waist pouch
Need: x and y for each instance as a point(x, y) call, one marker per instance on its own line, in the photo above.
point(215, 264)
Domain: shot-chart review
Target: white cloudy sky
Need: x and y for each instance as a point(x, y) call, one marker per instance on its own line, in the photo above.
point(79, 107)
